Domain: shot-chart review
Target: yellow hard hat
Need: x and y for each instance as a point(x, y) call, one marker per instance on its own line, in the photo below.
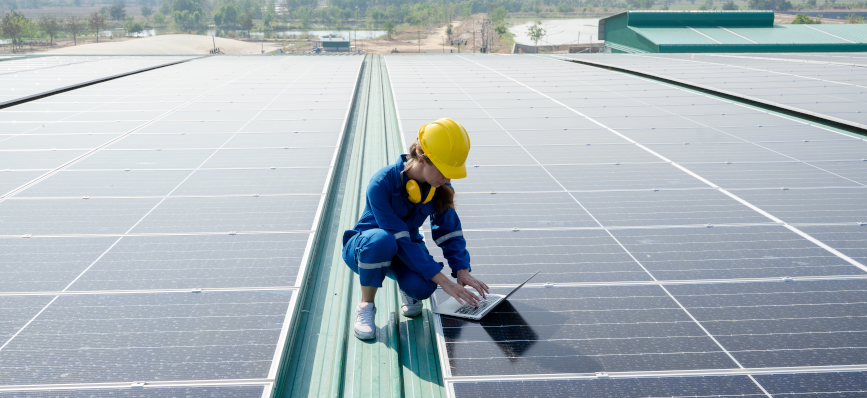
point(446, 143)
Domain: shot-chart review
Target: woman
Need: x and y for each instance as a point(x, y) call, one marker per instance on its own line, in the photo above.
point(386, 240)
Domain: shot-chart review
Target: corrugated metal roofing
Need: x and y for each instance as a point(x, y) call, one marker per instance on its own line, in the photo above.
point(673, 35)
point(787, 34)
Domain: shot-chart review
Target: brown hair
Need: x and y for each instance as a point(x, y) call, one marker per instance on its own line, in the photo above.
point(445, 195)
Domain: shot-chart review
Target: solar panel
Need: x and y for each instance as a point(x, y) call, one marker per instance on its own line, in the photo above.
point(826, 88)
point(27, 77)
point(158, 229)
point(675, 258)
point(146, 392)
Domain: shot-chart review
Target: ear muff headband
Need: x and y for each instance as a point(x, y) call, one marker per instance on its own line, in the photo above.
point(414, 193)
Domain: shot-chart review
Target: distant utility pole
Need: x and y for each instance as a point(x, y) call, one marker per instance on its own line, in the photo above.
point(474, 36)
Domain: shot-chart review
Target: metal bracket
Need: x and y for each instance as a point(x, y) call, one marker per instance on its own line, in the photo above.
point(601, 375)
point(137, 384)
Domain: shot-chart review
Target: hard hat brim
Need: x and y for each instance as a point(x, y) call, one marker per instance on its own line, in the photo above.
point(451, 172)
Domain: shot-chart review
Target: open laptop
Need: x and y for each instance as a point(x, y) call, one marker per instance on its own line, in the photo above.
point(451, 306)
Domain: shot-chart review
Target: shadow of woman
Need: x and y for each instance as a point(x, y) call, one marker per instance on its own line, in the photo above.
point(514, 338)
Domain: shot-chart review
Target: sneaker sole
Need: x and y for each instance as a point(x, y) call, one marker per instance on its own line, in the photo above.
point(365, 337)
point(411, 314)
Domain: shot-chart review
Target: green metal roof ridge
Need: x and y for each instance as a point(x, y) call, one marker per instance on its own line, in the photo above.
point(327, 359)
point(308, 346)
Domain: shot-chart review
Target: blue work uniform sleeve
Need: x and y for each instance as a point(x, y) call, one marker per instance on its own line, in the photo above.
point(447, 234)
point(411, 253)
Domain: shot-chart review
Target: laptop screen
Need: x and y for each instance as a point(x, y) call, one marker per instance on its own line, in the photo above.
point(520, 286)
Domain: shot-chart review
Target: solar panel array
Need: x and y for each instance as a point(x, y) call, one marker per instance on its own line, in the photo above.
point(688, 245)
point(836, 91)
point(155, 228)
point(27, 77)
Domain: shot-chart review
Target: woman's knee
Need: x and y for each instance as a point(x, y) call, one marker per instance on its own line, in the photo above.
point(381, 243)
point(419, 289)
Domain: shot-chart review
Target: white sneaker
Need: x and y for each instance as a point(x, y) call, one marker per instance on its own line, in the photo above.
point(410, 307)
point(365, 324)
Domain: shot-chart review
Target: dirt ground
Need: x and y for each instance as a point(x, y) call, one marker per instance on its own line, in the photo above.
point(406, 42)
point(432, 40)
point(160, 45)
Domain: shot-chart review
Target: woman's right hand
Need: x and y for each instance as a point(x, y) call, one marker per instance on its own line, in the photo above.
point(457, 291)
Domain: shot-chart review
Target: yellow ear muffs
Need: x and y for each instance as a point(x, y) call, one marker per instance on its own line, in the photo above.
point(414, 192)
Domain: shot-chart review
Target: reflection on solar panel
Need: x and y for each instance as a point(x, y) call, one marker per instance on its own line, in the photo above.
point(155, 228)
point(837, 92)
point(689, 246)
point(28, 77)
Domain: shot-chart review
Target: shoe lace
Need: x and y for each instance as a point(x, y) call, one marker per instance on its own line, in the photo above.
point(365, 316)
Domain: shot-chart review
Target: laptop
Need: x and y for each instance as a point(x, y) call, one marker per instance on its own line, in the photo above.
point(451, 306)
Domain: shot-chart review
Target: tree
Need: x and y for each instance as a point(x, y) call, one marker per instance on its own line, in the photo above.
point(449, 31)
point(776, 5)
point(811, 3)
point(74, 26)
point(117, 11)
point(501, 30)
point(536, 32)
point(50, 25)
point(389, 29)
point(246, 22)
point(159, 18)
point(76, 3)
point(186, 13)
point(132, 26)
point(226, 15)
point(804, 19)
point(729, 6)
point(13, 27)
point(147, 11)
point(852, 18)
point(96, 22)
point(499, 14)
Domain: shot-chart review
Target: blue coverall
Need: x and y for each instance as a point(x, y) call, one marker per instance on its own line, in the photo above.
point(386, 241)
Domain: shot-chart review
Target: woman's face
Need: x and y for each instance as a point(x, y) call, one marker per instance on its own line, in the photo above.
point(431, 175)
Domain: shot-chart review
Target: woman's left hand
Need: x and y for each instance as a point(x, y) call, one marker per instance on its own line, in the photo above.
point(465, 279)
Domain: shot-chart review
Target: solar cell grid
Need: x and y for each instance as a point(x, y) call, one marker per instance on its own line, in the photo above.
point(639, 223)
point(773, 80)
point(196, 203)
point(146, 392)
point(674, 387)
point(581, 330)
point(22, 78)
point(501, 257)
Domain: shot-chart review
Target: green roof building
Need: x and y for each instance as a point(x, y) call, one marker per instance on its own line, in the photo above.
point(723, 32)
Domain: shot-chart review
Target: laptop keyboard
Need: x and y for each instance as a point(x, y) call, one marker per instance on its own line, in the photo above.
point(468, 309)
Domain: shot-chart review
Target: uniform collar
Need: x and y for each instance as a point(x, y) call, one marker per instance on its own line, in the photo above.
point(401, 161)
